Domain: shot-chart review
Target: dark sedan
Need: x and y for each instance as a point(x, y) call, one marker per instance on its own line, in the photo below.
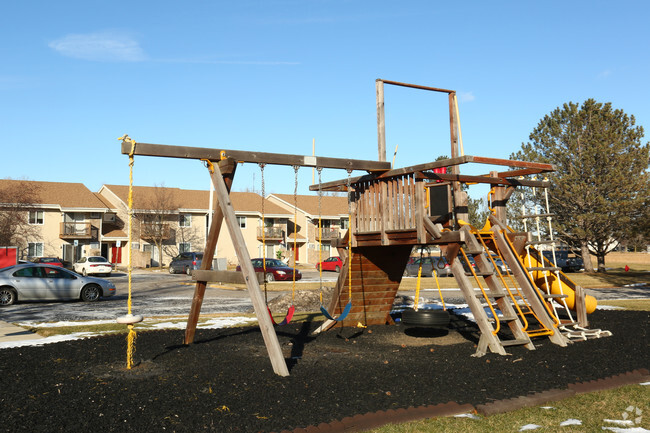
point(276, 270)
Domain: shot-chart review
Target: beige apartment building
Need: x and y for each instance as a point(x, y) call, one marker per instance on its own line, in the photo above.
point(69, 221)
point(306, 211)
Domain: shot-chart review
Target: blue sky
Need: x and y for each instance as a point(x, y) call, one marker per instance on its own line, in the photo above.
point(273, 75)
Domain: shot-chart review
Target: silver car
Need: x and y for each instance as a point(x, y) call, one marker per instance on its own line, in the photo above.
point(35, 282)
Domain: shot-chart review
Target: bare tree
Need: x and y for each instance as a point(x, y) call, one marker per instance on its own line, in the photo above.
point(157, 214)
point(17, 198)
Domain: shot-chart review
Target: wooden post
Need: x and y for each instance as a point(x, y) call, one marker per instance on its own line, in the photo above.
point(499, 201)
point(581, 307)
point(381, 125)
point(228, 167)
point(254, 291)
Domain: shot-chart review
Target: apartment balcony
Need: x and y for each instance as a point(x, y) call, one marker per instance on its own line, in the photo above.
point(151, 231)
point(327, 234)
point(68, 230)
point(270, 233)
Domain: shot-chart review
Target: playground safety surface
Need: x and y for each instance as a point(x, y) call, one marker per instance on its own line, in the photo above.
point(224, 382)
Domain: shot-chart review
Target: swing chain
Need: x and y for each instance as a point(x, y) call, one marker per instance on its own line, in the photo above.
point(262, 165)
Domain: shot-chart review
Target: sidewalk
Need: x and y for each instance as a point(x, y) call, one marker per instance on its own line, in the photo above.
point(9, 332)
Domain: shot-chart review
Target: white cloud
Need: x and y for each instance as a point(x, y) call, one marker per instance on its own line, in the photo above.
point(604, 74)
point(466, 97)
point(99, 47)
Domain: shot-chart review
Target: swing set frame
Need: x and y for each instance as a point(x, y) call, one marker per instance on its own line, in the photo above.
point(390, 214)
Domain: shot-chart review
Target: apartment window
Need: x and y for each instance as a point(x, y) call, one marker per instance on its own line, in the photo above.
point(35, 249)
point(241, 221)
point(147, 248)
point(345, 223)
point(135, 246)
point(94, 215)
point(185, 220)
point(36, 217)
point(184, 247)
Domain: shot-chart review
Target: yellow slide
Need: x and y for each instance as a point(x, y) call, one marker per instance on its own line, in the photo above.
point(558, 287)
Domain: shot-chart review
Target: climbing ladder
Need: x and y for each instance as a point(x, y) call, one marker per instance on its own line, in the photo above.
point(497, 298)
point(569, 326)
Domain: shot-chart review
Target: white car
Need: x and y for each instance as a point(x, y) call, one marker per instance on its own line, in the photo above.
point(36, 282)
point(93, 265)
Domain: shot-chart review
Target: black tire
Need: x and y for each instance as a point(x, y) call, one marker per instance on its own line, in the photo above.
point(269, 278)
point(7, 296)
point(188, 270)
point(171, 270)
point(91, 293)
point(433, 318)
point(337, 268)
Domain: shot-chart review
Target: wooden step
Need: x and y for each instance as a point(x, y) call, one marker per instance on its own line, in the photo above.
point(503, 318)
point(544, 268)
point(519, 342)
point(479, 274)
point(473, 252)
point(491, 295)
point(553, 296)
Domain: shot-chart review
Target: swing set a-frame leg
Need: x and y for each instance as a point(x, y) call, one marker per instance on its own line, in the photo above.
point(266, 326)
point(227, 168)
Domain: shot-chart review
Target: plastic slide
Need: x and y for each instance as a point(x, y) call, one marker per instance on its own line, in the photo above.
point(558, 287)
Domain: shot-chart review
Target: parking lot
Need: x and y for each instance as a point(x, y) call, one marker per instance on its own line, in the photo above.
point(154, 293)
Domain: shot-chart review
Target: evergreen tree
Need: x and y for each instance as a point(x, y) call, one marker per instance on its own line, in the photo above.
point(601, 184)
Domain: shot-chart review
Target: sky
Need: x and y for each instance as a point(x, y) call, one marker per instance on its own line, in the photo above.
point(273, 76)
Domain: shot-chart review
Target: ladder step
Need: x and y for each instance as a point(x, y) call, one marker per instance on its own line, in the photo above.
point(503, 318)
point(540, 242)
point(473, 252)
point(535, 215)
point(544, 268)
point(553, 296)
point(491, 295)
point(515, 342)
point(479, 274)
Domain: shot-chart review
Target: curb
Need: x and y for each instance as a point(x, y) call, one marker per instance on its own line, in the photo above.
point(370, 420)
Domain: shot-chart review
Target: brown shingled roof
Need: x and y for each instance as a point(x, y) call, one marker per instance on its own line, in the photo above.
point(198, 199)
point(330, 205)
point(63, 194)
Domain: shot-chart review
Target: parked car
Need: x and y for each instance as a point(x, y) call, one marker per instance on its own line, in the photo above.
point(54, 261)
point(93, 265)
point(428, 263)
point(275, 270)
point(36, 282)
point(331, 264)
point(566, 261)
point(185, 263)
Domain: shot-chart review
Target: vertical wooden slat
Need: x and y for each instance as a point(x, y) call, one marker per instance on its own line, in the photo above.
point(400, 203)
point(385, 214)
point(419, 212)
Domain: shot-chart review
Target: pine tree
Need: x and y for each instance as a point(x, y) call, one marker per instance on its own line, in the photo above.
point(602, 183)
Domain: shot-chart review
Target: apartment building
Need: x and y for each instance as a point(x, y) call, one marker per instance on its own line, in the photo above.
point(308, 210)
point(65, 220)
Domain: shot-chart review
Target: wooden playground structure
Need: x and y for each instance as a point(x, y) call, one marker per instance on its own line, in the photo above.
point(393, 210)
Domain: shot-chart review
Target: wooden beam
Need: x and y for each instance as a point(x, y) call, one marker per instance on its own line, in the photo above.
point(233, 277)
point(492, 180)
point(381, 122)
point(513, 163)
point(266, 326)
point(416, 86)
point(168, 151)
point(228, 167)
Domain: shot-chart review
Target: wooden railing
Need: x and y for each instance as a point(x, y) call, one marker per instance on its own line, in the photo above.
point(389, 211)
point(74, 230)
point(270, 233)
point(327, 234)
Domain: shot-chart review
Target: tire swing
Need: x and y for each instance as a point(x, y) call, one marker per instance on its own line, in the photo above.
point(291, 310)
point(425, 318)
point(348, 306)
point(129, 319)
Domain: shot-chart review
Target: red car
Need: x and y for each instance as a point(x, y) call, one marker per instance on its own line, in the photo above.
point(54, 261)
point(275, 270)
point(331, 264)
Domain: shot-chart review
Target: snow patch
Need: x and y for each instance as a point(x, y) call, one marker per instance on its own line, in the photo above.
point(530, 427)
point(570, 421)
